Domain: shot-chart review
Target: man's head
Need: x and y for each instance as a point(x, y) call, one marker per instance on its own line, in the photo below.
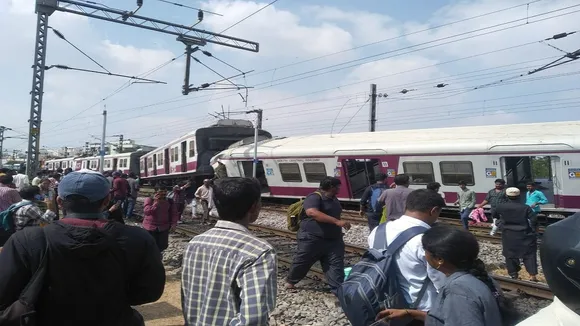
point(462, 184)
point(116, 174)
point(531, 186)
point(402, 180)
point(330, 185)
point(45, 182)
point(207, 182)
point(6, 179)
point(29, 192)
point(84, 192)
point(22, 171)
point(380, 177)
point(237, 199)
point(160, 192)
point(560, 256)
point(512, 193)
point(435, 186)
point(39, 174)
point(67, 171)
point(132, 175)
point(499, 184)
point(425, 205)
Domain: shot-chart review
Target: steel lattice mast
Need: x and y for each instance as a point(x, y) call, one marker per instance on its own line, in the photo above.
point(44, 8)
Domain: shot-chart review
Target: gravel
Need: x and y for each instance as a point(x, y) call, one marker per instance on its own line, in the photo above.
point(312, 304)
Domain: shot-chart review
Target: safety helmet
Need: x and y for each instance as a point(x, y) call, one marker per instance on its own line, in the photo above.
point(560, 254)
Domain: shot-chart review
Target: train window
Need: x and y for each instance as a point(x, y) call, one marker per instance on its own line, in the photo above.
point(421, 173)
point(93, 164)
point(149, 162)
point(159, 159)
point(107, 164)
point(175, 154)
point(290, 172)
point(453, 172)
point(315, 172)
point(191, 148)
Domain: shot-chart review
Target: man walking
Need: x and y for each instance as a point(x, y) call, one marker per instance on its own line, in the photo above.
point(203, 194)
point(369, 199)
point(423, 207)
point(229, 275)
point(320, 236)
point(466, 201)
point(132, 195)
point(393, 200)
point(21, 179)
point(94, 270)
point(518, 237)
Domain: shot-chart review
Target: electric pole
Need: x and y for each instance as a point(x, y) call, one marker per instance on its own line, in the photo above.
point(257, 127)
point(45, 8)
point(2, 128)
point(120, 146)
point(102, 153)
point(373, 108)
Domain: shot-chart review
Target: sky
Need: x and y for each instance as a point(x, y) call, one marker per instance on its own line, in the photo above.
point(312, 74)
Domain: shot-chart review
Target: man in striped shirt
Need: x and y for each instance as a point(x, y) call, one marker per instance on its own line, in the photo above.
point(229, 275)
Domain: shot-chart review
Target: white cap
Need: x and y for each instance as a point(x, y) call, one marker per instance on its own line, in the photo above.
point(512, 192)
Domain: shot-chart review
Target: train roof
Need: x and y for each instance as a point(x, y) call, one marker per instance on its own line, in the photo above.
point(552, 136)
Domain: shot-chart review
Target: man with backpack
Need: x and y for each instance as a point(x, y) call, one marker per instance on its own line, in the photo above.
point(82, 269)
point(405, 277)
point(160, 217)
point(320, 236)
point(369, 199)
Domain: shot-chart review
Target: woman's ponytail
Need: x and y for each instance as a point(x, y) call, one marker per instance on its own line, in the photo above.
point(509, 314)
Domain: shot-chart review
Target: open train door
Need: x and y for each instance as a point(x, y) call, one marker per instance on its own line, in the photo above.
point(557, 182)
point(166, 160)
point(183, 156)
point(155, 164)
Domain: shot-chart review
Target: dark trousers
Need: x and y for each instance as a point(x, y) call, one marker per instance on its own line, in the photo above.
point(465, 217)
point(161, 238)
point(180, 208)
point(330, 254)
point(530, 262)
point(373, 220)
point(205, 207)
point(129, 206)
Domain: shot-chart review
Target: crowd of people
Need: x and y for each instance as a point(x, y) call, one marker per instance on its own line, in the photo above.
point(89, 268)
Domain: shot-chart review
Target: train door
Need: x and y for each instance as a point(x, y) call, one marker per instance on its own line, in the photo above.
point(154, 164)
point(557, 182)
point(246, 169)
point(519, 170)
point(144, 166)
point(166, 160)
point(183, 156)
point(115, 164)
point(361, 174)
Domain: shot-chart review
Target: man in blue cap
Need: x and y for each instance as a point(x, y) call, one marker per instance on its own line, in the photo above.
point(95, 269)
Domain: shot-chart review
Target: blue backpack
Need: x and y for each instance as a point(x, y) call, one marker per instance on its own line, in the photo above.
point(376, 192)
point(373, 284)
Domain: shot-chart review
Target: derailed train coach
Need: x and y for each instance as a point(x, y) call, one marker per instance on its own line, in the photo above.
point(546, 153)
point(124, 162)
point(188, 157)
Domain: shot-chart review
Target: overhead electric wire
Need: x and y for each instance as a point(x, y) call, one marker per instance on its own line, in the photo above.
point(343, 85)
point(250, 15)
point(61, 36)
point(234, 93)
point(189, 7)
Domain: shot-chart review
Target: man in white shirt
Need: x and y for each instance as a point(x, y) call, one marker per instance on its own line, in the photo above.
point(204, 195)
point(21, 180)
point(423, 207)
point(560, 255)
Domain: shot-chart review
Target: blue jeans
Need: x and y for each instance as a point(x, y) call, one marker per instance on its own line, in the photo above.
point(129, 206)
point(465, 217)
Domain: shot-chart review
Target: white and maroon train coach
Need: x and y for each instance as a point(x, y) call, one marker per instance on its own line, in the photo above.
point(124, 162)
point(547, 153)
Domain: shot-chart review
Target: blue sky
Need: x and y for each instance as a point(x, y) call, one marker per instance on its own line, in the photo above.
point(388, 51)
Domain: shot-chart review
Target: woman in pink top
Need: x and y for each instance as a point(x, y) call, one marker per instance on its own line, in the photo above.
point(160, 217)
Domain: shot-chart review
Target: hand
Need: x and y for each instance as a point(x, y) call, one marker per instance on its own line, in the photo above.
point(479, 206)
point(343, 224)
point(361, 214)
point(392, 314)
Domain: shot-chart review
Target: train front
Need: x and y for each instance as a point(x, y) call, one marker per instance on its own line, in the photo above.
point(219, 137)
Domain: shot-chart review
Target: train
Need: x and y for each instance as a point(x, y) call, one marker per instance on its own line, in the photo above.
point(183, 159)
point(546, 153)
point(124, 162)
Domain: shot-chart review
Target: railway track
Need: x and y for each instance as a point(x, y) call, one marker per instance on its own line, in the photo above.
point(285, 244)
